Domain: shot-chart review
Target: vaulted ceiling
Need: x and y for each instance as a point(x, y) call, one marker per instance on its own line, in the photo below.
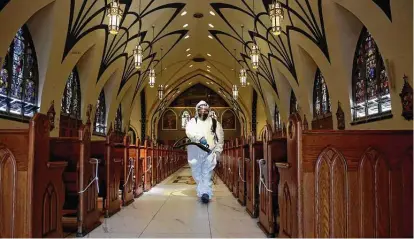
point(200, 41)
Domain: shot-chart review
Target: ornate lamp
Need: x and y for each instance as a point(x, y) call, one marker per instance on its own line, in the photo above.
point(235, 92)
point(276, 17)
point(160, 91)
point(151, 77)
point(137, 52)
point(114, 15)
point(243, 77)
point(255, 57)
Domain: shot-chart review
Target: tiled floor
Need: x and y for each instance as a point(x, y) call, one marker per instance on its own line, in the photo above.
point(172, 210)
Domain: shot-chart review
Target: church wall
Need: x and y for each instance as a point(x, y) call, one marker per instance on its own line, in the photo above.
point(172, 134)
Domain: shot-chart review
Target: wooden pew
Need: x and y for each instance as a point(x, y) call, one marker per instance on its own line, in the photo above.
point(138, 185)
point(235, 162)
point(80, 211)
point(353, 183)
point(154, 168)
point(252, 179)
point(146, 156)
point(244, 157)
point(31, 189)
point(127, 180)
point(274, 151)
point(112, 153)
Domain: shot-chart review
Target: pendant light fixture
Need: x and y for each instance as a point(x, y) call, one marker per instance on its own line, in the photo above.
point(255, 53)
point(114, 14)
point(161, 87)
point(276, 17)
point(160, 91)
point(152, 71)
point(243, 73)
point(235, 92)
point(137, 52)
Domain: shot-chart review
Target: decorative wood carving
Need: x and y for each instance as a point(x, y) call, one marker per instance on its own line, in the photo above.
point(51, 115)
point(340, 117)
point(88, 114)
point(407, 100)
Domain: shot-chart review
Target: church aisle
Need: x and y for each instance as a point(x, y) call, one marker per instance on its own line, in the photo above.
point(171, 210)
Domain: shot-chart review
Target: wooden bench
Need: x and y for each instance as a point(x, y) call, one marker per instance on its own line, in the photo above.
point(146, 157)
point(236, 153)
point(32, 193)
point(353, 183)
point(80, 211)
point(111, 154)
point(252, 176)
point(274, 151)
point(138, 185)
point(243, 158)
point(127, 180)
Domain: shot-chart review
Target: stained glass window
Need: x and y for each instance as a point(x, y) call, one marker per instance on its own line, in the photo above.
point(118, 120)
point(293, 103)
point(71, 100)
point(321, 100)
point(371, 94)
point(19, 77)
point(185, 117)
point(100, 115)
point(278, 124)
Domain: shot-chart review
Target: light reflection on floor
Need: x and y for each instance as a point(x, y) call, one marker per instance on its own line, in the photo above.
point(172, 210)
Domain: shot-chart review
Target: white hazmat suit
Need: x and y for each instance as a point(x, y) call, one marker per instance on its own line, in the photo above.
point(202, 164)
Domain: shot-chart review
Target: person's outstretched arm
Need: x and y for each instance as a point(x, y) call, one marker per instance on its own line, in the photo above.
point(220, 137)
point(191, 131)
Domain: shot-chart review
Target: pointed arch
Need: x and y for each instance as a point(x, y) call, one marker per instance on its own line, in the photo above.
point(185, 117)
point(70, 114)
point(370, 84)
point(19, 78)
point(293, 103)
point(118, 120)
point(100, 115)
point(169, 120)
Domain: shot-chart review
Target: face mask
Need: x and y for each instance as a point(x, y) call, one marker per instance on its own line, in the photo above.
point(203, 113)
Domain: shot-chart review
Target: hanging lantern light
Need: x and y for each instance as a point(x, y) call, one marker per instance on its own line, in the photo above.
point(160, 91)
point(255, 57)
point(137, 52)
point(152, 78)
point(276, 17)
point(243, 77)
point(235, 92)
point(114, 15)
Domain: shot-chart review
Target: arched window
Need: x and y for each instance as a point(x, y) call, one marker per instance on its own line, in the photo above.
point(70, 115)
point(371, 94)
point(321, 101)
point(100, 115)
point(278, 124)
point(19, 78)
point(118, 120)
point(132, 136)
point(293, 103)
point(71, 100)
point(185, 117)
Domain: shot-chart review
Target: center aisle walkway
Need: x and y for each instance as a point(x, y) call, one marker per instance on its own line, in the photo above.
point(171, 210)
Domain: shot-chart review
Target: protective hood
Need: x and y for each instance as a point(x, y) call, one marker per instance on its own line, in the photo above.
point(202, 103)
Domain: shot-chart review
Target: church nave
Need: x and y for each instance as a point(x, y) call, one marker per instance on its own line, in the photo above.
point(171, 210)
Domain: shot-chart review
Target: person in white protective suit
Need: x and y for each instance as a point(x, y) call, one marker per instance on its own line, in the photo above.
point(207, 131)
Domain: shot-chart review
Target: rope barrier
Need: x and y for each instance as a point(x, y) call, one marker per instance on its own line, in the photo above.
point(262, 161)
point(130, 171)
point(240, 172)
point(95, 179)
